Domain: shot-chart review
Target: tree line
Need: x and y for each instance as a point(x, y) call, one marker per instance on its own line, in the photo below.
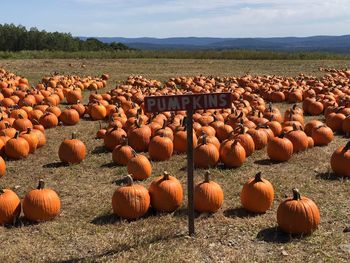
point(17, 38)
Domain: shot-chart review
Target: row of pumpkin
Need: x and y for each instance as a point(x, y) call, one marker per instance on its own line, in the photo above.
point(295, 215)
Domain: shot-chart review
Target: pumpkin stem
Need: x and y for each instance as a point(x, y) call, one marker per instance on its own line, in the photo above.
point(207, 177)
point(258, 177)
point(129, 180)
point(41, 184)
point(204, 138)
point(74, 135)
point(2, 191)
point(134, 152)
point(166, 175)
point(296, 194)
point(29, 130)
point(16, 134)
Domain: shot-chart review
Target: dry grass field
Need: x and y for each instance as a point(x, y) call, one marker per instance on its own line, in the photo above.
point(86, 231)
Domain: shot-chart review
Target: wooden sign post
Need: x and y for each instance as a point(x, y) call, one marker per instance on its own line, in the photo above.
point(190, 103)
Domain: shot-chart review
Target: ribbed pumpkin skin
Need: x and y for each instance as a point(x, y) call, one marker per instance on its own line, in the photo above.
point(280, 149)
point(10, 206)
point(17, 148)
point(257, 195)
point(311, 125)
point(322, 135)
point(41, 205)
point(41, 137)
point(72, 151)
point(139, 167)
point(160, 148)
point(32, 140)
point(298, 216)
point(166, 194)
point(298, 139)
point(180, 141)
point(208, 197)
point(69, 117)
point(139, 138)
point(340, 161)
point(48, 120)
point(113, 137)
point(131, 202)
point(2, 167)
point(205, 155)
point(232, 154)
point(122, 154)
point(247, 142)
point(260, 138)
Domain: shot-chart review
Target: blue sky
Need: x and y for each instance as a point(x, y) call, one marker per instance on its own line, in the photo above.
point(170, 18)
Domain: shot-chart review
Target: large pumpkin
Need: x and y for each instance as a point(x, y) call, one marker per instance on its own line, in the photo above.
point(160, 148)
point(298, 214)
point(166, 193)
point(17, 147)
point(130, 201)
point(41, 204)
point(208, 196)
point(257, 194)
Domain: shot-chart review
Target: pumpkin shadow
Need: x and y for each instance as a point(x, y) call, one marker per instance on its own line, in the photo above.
point(329, 176)
point(183, 212)
point(20, 223)
point(99, 150)
point(276, 235)
point(266, 162)
point(239, 212)
point(107, 219)
point(55, 165)
point(222, 166)
point(109, 165)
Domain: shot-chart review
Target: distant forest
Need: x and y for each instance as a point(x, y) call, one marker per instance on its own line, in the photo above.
point(17, 38)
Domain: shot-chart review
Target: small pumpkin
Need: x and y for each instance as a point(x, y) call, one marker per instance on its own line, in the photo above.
point(208, 196)
point(122, 153)
point(72, 151)
point(41, 204)
point(257, 194)
point(232, 153)
point(205, 155)
point(298, 214)
point(166, 193)
point(131, 201)
point(322, 135)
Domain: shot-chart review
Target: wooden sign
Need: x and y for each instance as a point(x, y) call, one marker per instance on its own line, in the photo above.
point(188, 102)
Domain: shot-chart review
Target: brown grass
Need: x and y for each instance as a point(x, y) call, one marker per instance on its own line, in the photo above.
point(87, 232)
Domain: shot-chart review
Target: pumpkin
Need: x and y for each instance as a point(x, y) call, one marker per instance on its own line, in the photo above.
point(32, 139)
point(98, 111)
point(280, 149)
point(245, 140)
point(21, 124)
point(17, 147)
point(69, 117)
point(322, 135)
point(205, 155)
point(122, 153)
point(311, 125)
point(131, 201)
point(48, 120)
point(298, 138)
point(72, 151)
point(208, 196)
point(139, 138)
point(257, 194)
point(41, 137)
point(166, 193)
point(139, 167)
point(232, 153)
point(160, 148)
point(41, 204)
point(260, 137)
point(10, 206)
point(2, 167)
point(113, 137)
point(298, 214)
point(340, 160)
